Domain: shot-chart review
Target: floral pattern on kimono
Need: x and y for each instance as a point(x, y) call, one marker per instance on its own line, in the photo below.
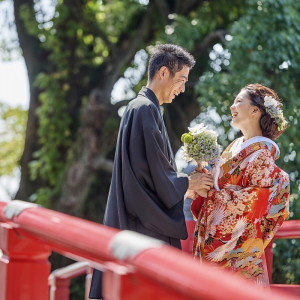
point(234, 225)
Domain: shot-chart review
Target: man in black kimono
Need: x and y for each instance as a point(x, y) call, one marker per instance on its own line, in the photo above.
point(146, 192)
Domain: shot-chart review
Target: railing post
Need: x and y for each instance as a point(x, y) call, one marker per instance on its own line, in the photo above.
point(59, 288)
point(24, 266)
point(60, 279)
point(269, 259)
point(88, 281)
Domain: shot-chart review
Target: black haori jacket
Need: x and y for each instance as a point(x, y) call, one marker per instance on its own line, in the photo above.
point(146, 192)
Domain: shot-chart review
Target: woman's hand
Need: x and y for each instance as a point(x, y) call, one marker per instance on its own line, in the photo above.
point(200, 170)
point(233, 187)
point(190, 194)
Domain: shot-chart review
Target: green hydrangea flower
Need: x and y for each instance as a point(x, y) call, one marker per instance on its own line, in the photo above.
point(186, 138)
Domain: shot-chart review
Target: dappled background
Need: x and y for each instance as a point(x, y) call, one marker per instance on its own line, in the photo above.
point(87, 59)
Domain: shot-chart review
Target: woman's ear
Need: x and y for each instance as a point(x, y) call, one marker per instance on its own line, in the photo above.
point(256, 111)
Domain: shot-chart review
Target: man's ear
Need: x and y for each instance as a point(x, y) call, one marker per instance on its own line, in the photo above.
point(163, 72)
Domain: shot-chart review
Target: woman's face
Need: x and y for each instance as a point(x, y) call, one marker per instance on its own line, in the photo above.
point(242, 111)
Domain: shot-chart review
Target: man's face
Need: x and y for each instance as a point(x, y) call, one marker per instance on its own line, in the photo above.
point(173, 86)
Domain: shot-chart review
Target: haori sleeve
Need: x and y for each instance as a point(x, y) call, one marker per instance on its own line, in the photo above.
point(153, 190)
point(169, 185)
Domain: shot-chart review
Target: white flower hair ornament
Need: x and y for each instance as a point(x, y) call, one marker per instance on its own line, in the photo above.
point(273, 109)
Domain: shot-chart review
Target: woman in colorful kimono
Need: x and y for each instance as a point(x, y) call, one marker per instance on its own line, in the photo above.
point(237, 219)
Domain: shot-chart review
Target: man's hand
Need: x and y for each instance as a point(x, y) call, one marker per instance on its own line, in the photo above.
point(202, 193)
point(199, 181)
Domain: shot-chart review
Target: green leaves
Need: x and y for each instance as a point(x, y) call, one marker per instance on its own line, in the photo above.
point(54, 132)
point(12, 136)
point(267, 29)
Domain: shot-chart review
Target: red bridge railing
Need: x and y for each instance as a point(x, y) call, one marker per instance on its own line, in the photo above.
point(289, 230)
point(60, 280)
point(135, 266)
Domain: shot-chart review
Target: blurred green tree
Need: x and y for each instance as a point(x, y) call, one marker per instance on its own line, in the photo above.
point(12, 135)
point(76, 51)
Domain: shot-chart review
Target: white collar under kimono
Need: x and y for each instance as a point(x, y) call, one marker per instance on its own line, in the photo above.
point(239, 145)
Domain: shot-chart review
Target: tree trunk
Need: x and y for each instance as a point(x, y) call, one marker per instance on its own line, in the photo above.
point(35, 58)
point(96, 140)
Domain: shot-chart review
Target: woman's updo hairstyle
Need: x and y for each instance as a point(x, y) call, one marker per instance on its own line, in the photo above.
point(268, 125)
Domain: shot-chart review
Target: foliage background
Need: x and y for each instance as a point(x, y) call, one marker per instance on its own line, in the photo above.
point(76, 51)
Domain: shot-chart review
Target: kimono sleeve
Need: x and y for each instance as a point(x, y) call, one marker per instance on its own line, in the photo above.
point(196, 206)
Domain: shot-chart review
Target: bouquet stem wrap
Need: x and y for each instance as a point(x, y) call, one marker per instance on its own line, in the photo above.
point(201, 164)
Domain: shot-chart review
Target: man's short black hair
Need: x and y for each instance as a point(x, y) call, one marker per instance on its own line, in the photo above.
point(173, 57)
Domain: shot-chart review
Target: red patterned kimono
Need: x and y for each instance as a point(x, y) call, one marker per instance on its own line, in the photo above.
point(234, 225)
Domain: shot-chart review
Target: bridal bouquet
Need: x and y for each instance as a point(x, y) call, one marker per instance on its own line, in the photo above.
point(201, 145)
